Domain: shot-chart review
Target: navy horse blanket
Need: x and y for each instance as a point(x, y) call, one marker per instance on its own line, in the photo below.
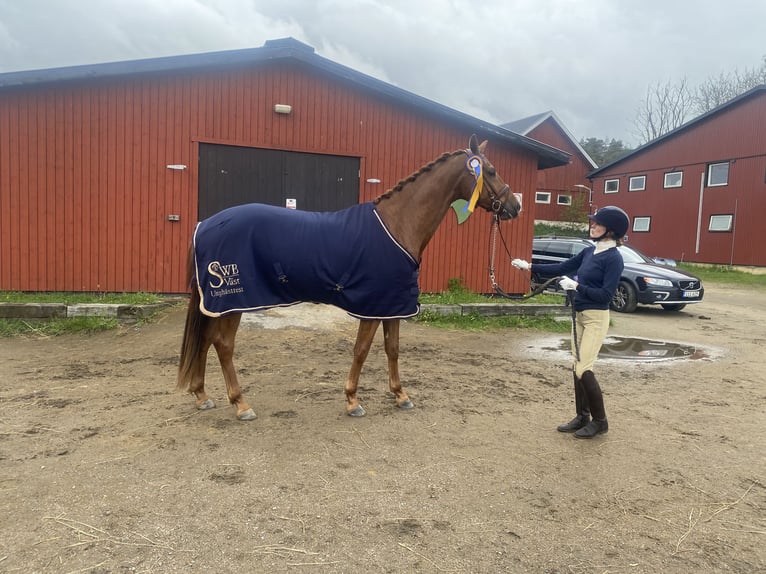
point(253, 257)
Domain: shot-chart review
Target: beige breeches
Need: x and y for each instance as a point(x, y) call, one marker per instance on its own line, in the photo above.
point(592, 326)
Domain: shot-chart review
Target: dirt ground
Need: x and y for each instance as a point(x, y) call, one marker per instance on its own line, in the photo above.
point(105, 467)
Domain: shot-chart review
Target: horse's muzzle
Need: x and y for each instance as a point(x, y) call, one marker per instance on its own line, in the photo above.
point(507, 205)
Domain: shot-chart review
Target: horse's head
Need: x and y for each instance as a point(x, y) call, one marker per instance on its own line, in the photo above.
point(494, 194)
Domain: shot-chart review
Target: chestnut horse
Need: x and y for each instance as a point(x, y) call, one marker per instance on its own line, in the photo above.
point(410, 214)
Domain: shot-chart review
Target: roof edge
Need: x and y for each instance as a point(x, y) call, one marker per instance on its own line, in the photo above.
point(282, 48)
point(683, 127)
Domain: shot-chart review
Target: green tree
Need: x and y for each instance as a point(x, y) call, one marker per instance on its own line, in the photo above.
point(603, 152)
point(576, 213)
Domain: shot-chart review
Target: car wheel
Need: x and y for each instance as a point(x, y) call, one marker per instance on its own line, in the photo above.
point(673, 306)
point(624, 300)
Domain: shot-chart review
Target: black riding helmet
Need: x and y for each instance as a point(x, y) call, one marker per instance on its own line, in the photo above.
point(614, 219)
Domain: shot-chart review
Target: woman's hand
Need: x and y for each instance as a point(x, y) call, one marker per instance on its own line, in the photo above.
point(520, 264)
point(568, 284)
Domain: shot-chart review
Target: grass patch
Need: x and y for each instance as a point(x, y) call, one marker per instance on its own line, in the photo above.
point(74, 298)
point(476, 322)
point(71, 325)
point(450, 298)
point(54, 327)
point(457, 294)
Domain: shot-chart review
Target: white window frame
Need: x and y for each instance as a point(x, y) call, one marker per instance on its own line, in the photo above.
point(546, 195)
point(711, 167)
point(564, 199)
point(680, 183)
point(721, 223)
point(642, 224)
point(616, 185)
point(639, 181)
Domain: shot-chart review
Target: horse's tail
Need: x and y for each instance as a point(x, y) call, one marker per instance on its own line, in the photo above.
point(196, 323)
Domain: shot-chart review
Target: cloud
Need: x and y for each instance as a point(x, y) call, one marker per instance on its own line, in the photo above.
point(590, 61)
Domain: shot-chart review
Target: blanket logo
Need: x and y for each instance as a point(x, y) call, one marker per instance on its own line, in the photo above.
point(226, 278)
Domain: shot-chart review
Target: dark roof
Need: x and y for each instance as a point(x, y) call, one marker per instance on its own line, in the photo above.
point(526, 125)
point(281, 49)
point(688, 125)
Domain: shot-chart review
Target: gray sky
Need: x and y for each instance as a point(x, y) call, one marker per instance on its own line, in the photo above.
point(590, 61)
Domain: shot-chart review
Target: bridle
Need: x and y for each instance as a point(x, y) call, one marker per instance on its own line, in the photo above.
point(475, 166)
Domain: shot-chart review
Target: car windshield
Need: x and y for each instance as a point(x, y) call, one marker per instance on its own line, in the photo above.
point(631, 255)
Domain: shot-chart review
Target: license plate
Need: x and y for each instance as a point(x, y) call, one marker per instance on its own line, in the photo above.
point(691, 294)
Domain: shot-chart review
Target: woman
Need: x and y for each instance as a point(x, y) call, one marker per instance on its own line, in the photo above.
point(597, 272)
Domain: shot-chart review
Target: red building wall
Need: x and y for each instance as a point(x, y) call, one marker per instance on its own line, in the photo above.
point(561, 180)
point(85, 191)
point(680, 215)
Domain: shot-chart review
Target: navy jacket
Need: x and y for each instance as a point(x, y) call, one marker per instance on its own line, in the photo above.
point(597, 275)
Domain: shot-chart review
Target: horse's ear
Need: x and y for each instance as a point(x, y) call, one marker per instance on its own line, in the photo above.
point(483, 146)
point(473, 144)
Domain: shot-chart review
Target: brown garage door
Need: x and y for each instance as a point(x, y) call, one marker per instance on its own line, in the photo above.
point(233, 175)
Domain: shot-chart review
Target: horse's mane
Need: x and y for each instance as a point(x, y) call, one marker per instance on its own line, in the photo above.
point(426, 168)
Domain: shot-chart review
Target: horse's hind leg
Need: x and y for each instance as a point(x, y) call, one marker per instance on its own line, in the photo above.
point(364, 337)
point(391, 342)
point(223, 341)
point(197, 380)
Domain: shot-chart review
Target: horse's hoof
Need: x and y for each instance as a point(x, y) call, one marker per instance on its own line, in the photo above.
point(357, 412)
point(248, 415)
point(406, 405)
point(208, 404)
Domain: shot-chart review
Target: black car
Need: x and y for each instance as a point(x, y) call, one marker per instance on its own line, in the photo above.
point(643, 280)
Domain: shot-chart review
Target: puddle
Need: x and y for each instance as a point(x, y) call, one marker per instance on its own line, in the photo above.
point(635, 349)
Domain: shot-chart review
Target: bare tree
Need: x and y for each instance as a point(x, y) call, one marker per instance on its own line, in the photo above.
point(665, 108)
point(719, 90)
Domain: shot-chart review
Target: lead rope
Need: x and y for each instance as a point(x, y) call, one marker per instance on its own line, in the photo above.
point(570, 298)
point(536, 291)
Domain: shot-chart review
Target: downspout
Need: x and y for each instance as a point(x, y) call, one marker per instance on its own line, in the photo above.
point(699, 213)
point(733, 233)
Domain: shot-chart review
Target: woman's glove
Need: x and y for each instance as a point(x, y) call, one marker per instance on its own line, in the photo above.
point(568, 284)
point(520, 264)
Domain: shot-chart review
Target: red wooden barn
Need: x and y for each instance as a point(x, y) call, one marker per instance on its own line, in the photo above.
point(105, 169)
point(561, 191)
point(697, 193)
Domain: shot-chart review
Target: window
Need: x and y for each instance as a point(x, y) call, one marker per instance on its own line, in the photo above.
point(641, 224)
point(718, 174)
point(611, 186)
point(542, 197)
point(564, 200)
point(673, 179)
point(720, 222)
point(637, 183)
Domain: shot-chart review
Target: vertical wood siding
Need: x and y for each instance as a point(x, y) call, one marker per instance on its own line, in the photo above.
point(561, 180)
point(738, 135)
point(85, 193)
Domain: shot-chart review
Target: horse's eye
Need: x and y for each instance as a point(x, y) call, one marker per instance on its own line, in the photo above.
point(491, 170)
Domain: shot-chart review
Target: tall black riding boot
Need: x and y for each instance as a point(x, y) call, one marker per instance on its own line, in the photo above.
point(581, 405)
point(596, 402)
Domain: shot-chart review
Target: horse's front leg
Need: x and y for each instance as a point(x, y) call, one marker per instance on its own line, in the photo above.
point(224, 346)
point(391, 342)
point(364, 337)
